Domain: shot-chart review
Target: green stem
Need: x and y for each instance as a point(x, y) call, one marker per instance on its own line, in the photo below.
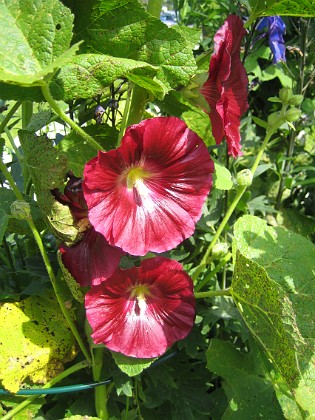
point(212, 273)
point(123, 124)
point(27, 112)
point(48, 266)
point(54, 381)
point(9, 115)
point(239, 193)
point(213, 293)
point(100, 391)
point(139, 100)
point(53, 104)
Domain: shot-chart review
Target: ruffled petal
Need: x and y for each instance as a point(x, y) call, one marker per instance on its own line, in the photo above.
point(161, 209)
point(92, 260)
point(142, 328)
point(226, 88)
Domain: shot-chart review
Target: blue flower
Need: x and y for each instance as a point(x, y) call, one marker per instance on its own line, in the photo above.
point(276, 30)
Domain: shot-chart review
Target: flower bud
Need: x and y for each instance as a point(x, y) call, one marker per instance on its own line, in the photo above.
point(274, 118)
point(220, 250)
point(296, 100)
point(285, 95)
point(244, 178)
point(292, 114)
point(20, 209)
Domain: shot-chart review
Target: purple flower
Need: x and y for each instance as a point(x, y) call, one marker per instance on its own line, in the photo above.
point(275, 29)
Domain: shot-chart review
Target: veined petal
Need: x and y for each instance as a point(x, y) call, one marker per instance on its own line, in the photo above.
point(159, 209)
point(142, 311)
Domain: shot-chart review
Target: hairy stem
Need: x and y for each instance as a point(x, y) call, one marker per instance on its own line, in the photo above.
point(100, 391)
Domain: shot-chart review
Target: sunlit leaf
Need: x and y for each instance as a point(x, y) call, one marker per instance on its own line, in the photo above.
point(35, 41)
point(38, 345)
point(274, 288)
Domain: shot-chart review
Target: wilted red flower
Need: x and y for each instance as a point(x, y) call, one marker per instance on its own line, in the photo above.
point(142, 311)
point(91, 260)
point(147, 195)
point(226, 88)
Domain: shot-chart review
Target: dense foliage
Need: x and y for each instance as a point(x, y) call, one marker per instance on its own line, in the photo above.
point(157, 210)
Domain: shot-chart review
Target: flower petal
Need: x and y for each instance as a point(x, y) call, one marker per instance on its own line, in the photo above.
point(92, 260)
point(148, 328)
point(162, 208)
point(226, 88)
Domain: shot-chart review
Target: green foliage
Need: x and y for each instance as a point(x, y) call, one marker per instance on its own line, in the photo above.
point(274, 293)
point(36, 39)
point(250, 353)
point(39, 343)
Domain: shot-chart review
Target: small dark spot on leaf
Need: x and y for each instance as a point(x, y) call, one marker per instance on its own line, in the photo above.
point(58, 26)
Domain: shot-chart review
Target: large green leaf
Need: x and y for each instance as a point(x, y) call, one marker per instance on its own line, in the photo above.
point(259, 8)
point(249, 393)
point(35, 40)
point(38, 345)
point(124, 29)
point(89, 74)
point(274, 289)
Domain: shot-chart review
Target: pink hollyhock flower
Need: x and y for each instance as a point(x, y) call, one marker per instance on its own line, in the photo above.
point(142, 311)
point(226, 87)
point(91, 260)
point(147, 195)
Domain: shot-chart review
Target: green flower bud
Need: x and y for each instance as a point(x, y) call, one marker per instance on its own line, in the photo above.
point(296, 100)
point(285, 95)
point(244, 178)
point(220, 250)
point(274, 118)
point(292, 114)
point(20, 209)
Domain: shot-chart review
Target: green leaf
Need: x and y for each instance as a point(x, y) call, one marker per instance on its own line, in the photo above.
point(250, 394)
point(36, 38)
point(4, 219)
point(222, 178)
point(130, 365)
point(46, 165)
point(39, 344)
point(274, 289)
point(297, 222)
point(78, 151)
point(125, 29)
point(88, 75)
point(199, 122)
point(304, 8)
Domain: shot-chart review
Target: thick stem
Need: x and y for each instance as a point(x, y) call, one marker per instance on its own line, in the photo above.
point(139, 100)
point(100, 391)
point(48, 266)
point(53, 104)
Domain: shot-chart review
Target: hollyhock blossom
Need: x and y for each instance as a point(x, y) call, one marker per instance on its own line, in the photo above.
point(147, 195)
point(226, 87)
point(276, 29)
point(142, 311)
point(91, 260)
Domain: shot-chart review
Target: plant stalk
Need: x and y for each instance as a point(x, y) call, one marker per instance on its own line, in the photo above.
point(53, 104)
point(48, 266)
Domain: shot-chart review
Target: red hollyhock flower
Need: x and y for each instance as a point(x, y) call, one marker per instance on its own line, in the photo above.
point(91, 260)
point(142, 311)
point(147, 195)
point(226, 88)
